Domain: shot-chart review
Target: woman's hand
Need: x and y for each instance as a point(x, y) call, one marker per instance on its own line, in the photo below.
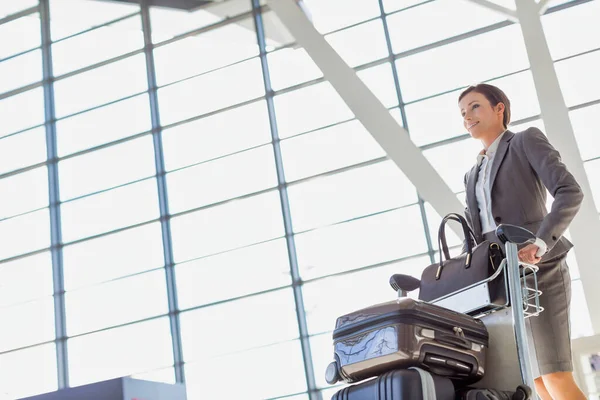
point(527, 254)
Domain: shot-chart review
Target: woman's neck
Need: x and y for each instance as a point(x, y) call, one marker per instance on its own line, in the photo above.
point(489, 138)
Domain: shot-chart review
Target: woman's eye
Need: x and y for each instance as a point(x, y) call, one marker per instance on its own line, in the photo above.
point(475, 106)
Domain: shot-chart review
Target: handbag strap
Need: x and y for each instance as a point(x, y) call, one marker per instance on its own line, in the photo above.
point(443, 244)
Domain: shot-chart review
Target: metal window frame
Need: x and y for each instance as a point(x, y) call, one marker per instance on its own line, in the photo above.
point(313, 392)
point(54, 197)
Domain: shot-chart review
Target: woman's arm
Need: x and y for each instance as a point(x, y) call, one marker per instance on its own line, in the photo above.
point(546, 162)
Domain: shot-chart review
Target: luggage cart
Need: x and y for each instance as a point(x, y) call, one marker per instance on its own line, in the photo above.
point(508, 364)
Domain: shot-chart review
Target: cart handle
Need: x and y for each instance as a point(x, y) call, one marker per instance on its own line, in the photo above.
point(518, 235)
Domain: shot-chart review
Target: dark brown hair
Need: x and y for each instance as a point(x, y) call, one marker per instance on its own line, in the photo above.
point(494, 96)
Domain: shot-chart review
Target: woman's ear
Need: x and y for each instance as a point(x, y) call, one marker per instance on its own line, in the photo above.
point(500, 108)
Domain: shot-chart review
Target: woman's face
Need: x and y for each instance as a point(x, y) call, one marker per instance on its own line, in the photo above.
point(479, 117)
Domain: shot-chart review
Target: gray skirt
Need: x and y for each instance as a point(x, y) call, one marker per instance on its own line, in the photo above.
point(550, 332)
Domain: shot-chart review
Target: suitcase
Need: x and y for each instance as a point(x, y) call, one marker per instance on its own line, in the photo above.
point(408, 333)
point(404, 384)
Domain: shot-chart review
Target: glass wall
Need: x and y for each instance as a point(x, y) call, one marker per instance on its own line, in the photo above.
point(211, 188)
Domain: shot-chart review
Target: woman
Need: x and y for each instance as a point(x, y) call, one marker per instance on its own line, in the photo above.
point(508, 185)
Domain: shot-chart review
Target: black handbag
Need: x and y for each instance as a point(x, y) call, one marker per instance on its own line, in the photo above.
point(479, 263)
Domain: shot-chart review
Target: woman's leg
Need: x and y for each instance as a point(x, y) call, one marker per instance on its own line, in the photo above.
point(541, 390)
point(562, 386)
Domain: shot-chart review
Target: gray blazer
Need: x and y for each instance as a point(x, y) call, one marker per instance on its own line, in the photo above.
point(525, 165)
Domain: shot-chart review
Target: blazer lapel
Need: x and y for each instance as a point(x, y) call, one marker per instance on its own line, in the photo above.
point(499, 157)
point(472, 199)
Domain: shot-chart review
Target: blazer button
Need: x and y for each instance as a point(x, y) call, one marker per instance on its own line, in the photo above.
point(498, 219)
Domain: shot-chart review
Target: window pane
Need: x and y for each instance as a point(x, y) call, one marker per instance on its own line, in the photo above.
point(22, 70)
point(393, 5)
point(227, 275)
point(113, 256)
point(290, 66)
point(327, 299)
point(321, 347)
point(320, 101)
point(413, 28)
point(117, 208)
point(581, 325)
point(73, 16)
point(452, 161)
point(162, 375)
point(222, 179)
point(109, 167)
point(103, 125)
point(24, 33)
point(593, 173)
point(24, 192)
point(35, 322)
point(118, 302)
point(235, 224)
point(360, 243)
point(327, 17)
point(578, 78)
point(24, 234)
point(227, 86)
point(588, 140)
point(328, 149)
point(217, 135)
point(259, 329)
point(571, 31)
point(22, 150)
point(109, 41)
point(350, 194)
point(17, 284)
point(380, 81)
point(215, 48)
point(22, 111)
point(29, 372)
point(361, 44)
point(101, 85)
point(433, 221)
point(206, 380)
point(120, 352)
point(426, 73)
point(167, 23)
point(572, 263)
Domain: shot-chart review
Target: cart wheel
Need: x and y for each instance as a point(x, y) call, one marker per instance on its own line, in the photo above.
point(523, 393)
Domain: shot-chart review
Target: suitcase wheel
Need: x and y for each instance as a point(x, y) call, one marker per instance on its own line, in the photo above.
point(332, 374)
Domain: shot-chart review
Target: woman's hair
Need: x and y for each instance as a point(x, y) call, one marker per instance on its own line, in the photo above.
point(494, 96)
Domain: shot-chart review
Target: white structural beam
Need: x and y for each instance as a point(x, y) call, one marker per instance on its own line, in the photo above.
point(231, 8)
point(585, 227)
point(511, 15)
point(543, 6)
point(367, 108)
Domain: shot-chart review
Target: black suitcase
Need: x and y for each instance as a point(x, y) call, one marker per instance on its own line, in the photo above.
point(402, 384)
point(408, 333)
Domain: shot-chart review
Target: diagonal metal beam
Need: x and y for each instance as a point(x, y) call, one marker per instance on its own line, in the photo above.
point(511, 15)
point(369, 111)
point(586, 225)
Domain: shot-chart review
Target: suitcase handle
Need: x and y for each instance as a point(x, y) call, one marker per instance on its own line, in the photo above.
point(453, 340)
